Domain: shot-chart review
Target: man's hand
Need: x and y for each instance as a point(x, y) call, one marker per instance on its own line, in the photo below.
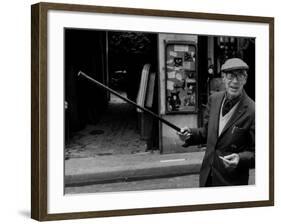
point(184, 134)
point(230, 161)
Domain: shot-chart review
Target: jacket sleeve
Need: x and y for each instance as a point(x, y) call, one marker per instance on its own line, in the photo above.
point(199, 135)
point(247, 157)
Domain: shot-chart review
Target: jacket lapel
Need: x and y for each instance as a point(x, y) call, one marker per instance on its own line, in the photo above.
point(240, 110)
point(216, 116)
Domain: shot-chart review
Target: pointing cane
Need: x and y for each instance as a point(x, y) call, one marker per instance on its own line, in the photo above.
point(82, 74)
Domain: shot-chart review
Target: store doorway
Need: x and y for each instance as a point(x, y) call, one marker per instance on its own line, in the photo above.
point(98, 123)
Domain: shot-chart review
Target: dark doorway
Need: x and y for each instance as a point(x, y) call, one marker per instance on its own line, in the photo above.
point(96, 122)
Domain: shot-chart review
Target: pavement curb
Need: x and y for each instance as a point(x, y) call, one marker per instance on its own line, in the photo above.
point(130, 175)
point(128, 168)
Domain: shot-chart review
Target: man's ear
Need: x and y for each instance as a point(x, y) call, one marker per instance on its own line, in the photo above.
point(246, 78)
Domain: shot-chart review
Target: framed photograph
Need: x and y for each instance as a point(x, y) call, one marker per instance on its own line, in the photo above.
point(139, 111)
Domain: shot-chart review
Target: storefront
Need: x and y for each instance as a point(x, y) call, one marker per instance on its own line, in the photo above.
point(170, 74)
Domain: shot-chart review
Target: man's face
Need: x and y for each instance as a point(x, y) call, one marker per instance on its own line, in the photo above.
point(234, 82)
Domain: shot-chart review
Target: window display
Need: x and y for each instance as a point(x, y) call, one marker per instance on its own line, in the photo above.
point(181, 77)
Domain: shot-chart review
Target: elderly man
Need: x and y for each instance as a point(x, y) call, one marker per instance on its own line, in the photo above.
point(228, 130)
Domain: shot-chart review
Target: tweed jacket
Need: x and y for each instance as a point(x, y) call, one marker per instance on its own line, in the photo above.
point(238, 136)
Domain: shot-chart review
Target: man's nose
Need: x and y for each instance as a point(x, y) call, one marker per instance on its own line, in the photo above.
point(235, 79)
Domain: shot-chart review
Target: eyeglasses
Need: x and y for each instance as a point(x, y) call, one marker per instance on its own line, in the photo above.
point(238, 75)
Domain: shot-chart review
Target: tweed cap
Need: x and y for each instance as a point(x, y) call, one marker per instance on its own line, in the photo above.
point(234, 64)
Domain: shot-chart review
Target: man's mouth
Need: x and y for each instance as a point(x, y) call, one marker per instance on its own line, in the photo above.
point(235, 88)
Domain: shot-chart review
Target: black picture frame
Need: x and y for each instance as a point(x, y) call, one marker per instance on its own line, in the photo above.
point(39, 108)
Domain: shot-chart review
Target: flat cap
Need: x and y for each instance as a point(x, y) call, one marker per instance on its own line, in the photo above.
point(234, 64)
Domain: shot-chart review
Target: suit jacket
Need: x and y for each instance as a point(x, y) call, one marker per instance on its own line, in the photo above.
point(238, 136)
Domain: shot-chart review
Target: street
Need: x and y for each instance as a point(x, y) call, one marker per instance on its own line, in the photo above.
point(187, 181)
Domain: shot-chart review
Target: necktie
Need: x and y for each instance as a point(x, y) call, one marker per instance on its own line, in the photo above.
point(228, 104)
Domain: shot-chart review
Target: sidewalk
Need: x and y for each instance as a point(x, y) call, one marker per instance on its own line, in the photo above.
point(107, 169)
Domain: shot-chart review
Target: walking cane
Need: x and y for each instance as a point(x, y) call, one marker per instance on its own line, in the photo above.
point(82, 74)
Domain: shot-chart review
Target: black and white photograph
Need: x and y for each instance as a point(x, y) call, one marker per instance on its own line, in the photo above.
point(136, 111)
point(151, 111)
